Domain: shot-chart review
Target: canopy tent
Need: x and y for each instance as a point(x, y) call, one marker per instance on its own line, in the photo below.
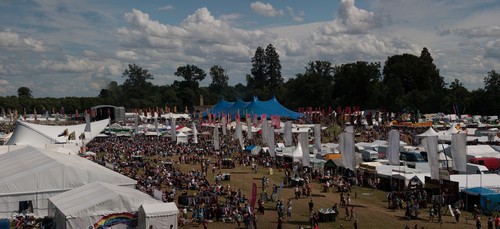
point(33, 175)
point(182, 138)
point(100, 205)
point(253, 149)
point(35, 134)
point(159, 215)
point(219, 108)
point(256, 107)
point(428, 133)
point(488, 199)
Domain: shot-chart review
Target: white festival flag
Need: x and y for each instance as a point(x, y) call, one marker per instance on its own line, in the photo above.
point(393, 149)
point(195, 134)
point(224, 125)
point(459, 152)
point(304, 142)
point(238, 134)
point(216, 137)
point(271, 141)
point(346, 146)
point(249, 128)
point(431, 146)
point(172, 131)
point(317, 137)
point(288, 133)
point(87, 123)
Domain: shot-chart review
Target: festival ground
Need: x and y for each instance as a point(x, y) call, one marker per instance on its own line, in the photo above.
point(370, 205)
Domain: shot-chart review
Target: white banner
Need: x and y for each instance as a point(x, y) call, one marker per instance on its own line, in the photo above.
point(287, 135)
point(431, 146)
point(393, 149)
point(459, 152)
point(304, 142)
point(317, 137)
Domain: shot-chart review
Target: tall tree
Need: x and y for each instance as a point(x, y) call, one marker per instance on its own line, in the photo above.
point(357, 84)
point(188, 88)
point(492, 82)
point(136, 76)
point(413, 82)
point(137, 90)
point(312, 88)
point(219, 85)
point(273, 68)
point(24, 92)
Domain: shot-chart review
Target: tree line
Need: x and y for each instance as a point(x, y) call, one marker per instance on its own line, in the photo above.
point(406, 82)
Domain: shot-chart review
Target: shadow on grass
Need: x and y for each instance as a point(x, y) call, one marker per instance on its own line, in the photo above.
point(318, 195)
point(297, 222)
point(239, 172)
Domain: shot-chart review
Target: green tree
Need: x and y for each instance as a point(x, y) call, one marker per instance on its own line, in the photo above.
point(492, 82)
point(273, 69)
point(136, 87)
point(24, 92)
point(188, 88)
point(257, 81)
point(357, 84)
point(312, 88)
point(219, 85)
point(136, 76)
point(413, 82)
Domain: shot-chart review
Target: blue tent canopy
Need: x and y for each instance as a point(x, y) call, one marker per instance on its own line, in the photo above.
point(489, 199)
point(255, 107)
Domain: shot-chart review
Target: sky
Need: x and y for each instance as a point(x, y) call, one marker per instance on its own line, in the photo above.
point(62, 48)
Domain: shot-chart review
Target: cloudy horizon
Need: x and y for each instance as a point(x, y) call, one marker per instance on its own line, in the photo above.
point(62, 48)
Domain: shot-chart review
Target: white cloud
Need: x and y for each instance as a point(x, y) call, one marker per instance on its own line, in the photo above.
point(298, 17)
point(265, 9)
point(356, 19)
point(480, 31)
point(166, 7)
point(11, 40)
point(493, 49)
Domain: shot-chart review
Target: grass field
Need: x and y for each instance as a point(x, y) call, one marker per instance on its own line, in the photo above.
point(370, 206)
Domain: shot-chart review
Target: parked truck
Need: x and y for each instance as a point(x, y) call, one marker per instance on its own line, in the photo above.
point(492, 163)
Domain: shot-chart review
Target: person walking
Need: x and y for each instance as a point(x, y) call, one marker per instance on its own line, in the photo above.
point(456, 212)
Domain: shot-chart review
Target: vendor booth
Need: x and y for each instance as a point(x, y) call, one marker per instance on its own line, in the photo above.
point(158, 215)
point(487, 199)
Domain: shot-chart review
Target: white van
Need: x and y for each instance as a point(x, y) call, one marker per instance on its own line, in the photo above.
point(477, 169)
point(369, 155)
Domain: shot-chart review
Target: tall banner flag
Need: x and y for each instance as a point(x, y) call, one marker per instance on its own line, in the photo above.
point(195, 134)
point(304, 142)
point(238, 134)
point(136, 123)
point(349, 129)
point(173, 133)
point(87, 123)
point(156, 125)
point(264, 130)
point(459, 152)
point(346, 146)
point(249, 127)
point(393, 148)
point(216, 137)
point(270, 139)
point(288, 133)
point(317, 137)
point(253, 198)
point(224, 125)
point(431, 146)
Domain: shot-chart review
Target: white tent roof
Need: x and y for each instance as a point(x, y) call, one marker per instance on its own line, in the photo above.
point(476, 180)
point(99, 198)
point(160, 209)
point(33, 170)
point(35, 134)
point(428, 133)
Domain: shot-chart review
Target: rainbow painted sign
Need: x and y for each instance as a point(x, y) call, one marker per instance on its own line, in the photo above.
point(110, 220)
